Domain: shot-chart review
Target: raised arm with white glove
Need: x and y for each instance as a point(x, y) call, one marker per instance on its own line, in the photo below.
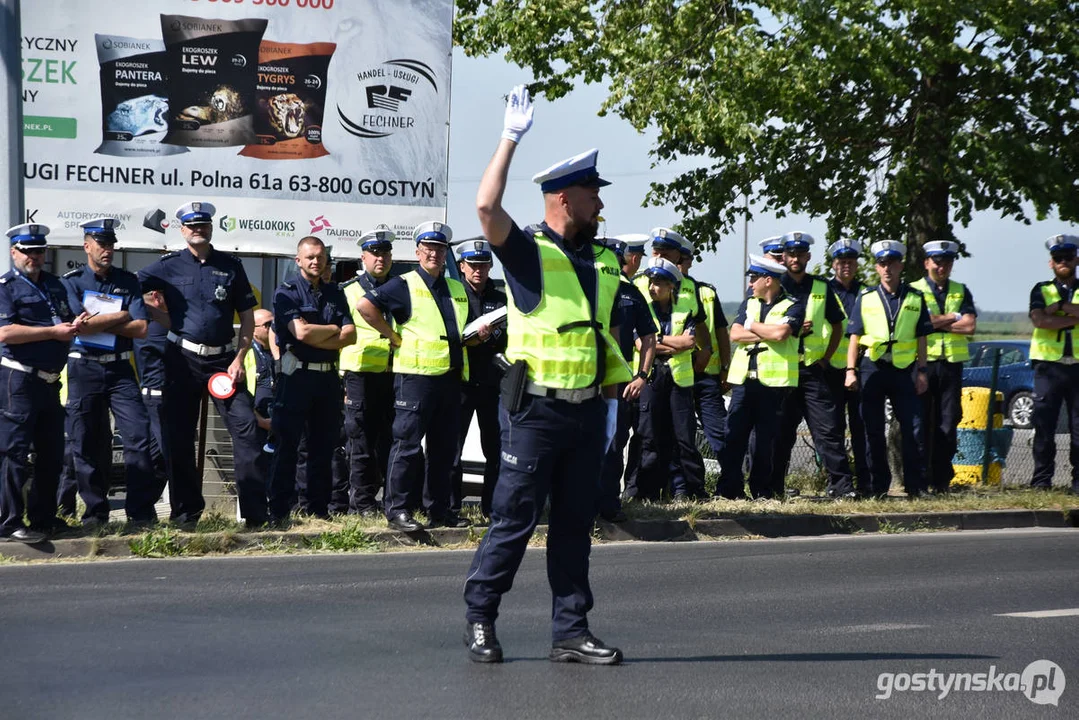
point(494, 219)
point(518, 118)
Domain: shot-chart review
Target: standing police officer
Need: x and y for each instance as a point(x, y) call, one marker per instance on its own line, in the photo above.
point(764, 368)
point(37, 326)
point(479, 394)
point(847, 287)
point(261, 376)
point(367, 372)
point(951, 310)
point(150, 366)
point(1054, 311)
point(813, 398)
point(889, 324)
point(202, 289)
point(429, 364)
point(311, 322)
point(562, 289)
point(101, 378)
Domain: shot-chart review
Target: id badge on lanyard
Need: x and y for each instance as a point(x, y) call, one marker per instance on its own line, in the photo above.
point(44, 296)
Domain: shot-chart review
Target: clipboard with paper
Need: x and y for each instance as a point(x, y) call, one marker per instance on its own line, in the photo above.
point(495, 318)
point(100, 304)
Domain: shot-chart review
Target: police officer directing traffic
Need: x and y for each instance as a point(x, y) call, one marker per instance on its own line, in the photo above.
point(101, 378)
point(312, 323)
point(37, 326)
point(562, 289)
point(202, 288)
point(479, 394)
point(430, 311)
point(1054, 311)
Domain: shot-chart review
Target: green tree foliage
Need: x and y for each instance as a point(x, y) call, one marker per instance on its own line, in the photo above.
point(890, 118)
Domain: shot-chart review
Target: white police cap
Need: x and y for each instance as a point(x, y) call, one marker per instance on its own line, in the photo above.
point(888, 250)
point(381, 238)
point(772, 244)
point(937, 248)
point(633, 242)
point(658, 267)
point(102, 229)
point(796, 240)
point(196, 213)
point(433, 232)
point(845, 249)
point(1062, 242)
point(667, 238)
point(475, 251)
point(577, 170)
point(29, 235)
point(765, 266)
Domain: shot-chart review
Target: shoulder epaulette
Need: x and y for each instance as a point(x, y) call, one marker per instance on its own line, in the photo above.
point(169, 255)
point(73, 273)
point(287, 284)
point(866, 289)
point(348, 282)
point(5, 279)
point(706, 284)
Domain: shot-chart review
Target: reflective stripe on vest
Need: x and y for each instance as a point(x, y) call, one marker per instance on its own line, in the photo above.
point(949, 346)
point(249, 370)
point(708, 299)
point(902, 340)
point(839, 357)
point(558, 339)
point(425, 350)
point(814, 344)
point(1049, 344)
point(371, 351)
point(680, 364)
point(777, 362)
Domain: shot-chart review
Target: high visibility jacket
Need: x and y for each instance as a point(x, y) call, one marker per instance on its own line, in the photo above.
point(680, 364)
point(562, 338)
point(425, 349)
point(839, 357)
point(879, 335)
point(708, 300)
point(1049, 344)
point(777, 361)
point(371, 351)
point(816, 343)
point(950, 346)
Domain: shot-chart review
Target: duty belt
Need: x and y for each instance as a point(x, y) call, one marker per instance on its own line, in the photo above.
point(14, 365)
point(317, 367)
point(103, 359)
point(197, 348)
point(576, 397)
point(151, 392)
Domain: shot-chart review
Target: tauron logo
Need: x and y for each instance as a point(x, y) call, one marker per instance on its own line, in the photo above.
point(319, 224)
point(393, 84)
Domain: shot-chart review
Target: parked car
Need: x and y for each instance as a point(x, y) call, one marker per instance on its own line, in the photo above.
point(1015, 377)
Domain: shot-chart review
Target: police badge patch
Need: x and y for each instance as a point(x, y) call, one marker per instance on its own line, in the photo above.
point(220, 293)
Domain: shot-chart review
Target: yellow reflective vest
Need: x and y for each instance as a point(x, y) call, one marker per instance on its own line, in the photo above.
point(1049, 344)
point(878, 335)
point(708, 300)
point(425, 349)
point(371, 351)
point(949, 346)
point(777, 361)
point(815, 344)
point(680, 364)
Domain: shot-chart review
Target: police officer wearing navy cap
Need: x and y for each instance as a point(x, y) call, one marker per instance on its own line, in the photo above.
point(430, 311)
point(37, 325)
point(847, 287)
point(1054, 311)
point(813, 398)
point(772, 248)
point(555, 430)
point(101, 378)
point(479, 394)
point(764, 368)
point(367, 372)
point(954, 318)
point(888, 328)
point(203, 288)
point(312, 323)
point(637, 324)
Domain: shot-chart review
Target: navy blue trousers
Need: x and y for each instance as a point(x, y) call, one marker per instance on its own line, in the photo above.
point(482, 401)
point(937, 424)
point(550, 449)
point(880, 380)
point(369, 429)
point(30, 414)
point(425, 406)
point(712, 411)
point(848, 412)
point(668, 428)
point(93, 390)
point(755, 408)
point(610, 496)
point(1054, 383)
point(153, 401)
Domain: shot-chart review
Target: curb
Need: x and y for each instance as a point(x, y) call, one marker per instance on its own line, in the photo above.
point(660, 530)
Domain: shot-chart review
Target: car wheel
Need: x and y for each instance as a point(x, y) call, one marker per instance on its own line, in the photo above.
point(1021, 410)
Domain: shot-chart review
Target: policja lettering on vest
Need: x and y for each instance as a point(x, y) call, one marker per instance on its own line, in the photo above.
point(561, 311)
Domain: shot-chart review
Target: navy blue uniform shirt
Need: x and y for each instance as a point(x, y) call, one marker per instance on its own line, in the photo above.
point(636, 319)
point(150, 356)
point(201, 297)
point(846, 297)
point(296, 299)
point(966, 306)
point(481, 369)
point(116, 282)
point(41, 304)
point(795, 317)
point(264, 379)
point(1037, 302)
point(717, 308)
point(665, 328)
point(801, 291)
point(393, 297)
point(855, 326)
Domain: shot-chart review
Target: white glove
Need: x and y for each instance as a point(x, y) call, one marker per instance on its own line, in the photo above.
point(518, 114)
point(612, 422)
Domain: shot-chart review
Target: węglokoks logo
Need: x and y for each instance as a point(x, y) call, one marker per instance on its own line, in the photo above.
point(284, 228)
point(390, 90)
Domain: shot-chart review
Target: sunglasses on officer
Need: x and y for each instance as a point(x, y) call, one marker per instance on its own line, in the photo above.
point(754, 277)
point(31, 251)
point(1063, 256)
point(268, 324)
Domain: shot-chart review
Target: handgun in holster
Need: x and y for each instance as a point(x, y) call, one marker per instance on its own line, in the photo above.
point(514, 379)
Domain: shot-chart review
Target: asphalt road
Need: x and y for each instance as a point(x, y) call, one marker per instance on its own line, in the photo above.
point(784, 628)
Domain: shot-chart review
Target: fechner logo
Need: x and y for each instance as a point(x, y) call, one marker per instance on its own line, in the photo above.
point(387, 90)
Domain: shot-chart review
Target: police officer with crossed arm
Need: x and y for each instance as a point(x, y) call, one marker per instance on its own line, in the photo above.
point(312, 323)
point(202, 288)
point(100, 379)
point(37, 326)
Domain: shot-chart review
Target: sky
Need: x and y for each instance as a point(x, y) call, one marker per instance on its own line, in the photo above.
point(1008, 257)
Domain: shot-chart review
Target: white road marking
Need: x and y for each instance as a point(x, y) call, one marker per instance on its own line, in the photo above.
point(1066, 612)
point(877, 627)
